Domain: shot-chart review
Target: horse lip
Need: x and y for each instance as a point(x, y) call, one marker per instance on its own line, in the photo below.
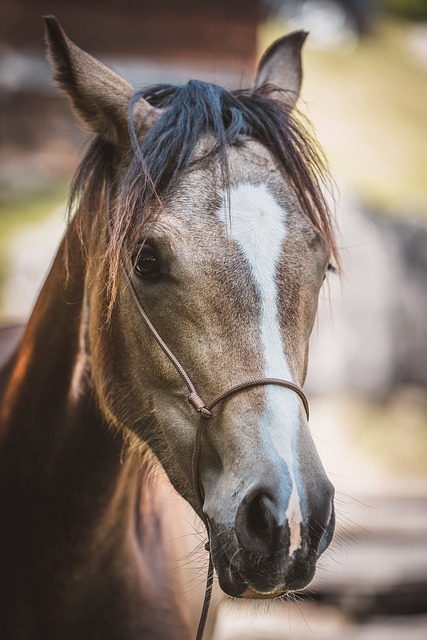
point(231, 581)
point(237, 585)
point(251, 593)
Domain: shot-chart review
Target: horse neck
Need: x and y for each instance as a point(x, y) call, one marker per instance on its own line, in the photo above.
point(49, 434)
point(67, 476)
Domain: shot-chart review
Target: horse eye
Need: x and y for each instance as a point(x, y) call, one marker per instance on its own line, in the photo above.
point(146, 263)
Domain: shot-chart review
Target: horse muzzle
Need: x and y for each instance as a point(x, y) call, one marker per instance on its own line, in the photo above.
point(264, 554)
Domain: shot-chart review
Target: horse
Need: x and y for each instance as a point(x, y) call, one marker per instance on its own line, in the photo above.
point(171, 333)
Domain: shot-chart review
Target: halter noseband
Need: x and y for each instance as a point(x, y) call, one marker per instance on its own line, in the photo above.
point(205, 411)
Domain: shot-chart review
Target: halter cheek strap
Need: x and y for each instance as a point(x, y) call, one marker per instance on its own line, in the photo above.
point(205, 411)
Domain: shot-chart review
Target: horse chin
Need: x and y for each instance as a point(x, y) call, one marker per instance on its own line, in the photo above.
point(251, 580)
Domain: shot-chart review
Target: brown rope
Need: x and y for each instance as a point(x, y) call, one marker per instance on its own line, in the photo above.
point(262, 382)
point(207, 599)
point(162, 344)
point(205, 411)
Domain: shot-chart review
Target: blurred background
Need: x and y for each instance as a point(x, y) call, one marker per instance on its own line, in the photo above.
point(365, 90)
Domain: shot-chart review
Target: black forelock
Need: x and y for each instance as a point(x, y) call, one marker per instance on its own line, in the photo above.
point(166, 151)
point(189, 112)
point(198, 108)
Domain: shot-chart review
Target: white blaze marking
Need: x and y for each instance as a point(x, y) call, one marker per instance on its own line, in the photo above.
point(294, 516)
point(258, 225)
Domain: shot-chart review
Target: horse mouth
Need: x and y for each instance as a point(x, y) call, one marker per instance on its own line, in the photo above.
point(255, 579)
point(250, 594)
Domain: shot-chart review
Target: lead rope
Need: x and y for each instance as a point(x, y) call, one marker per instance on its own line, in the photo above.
point(205, 411)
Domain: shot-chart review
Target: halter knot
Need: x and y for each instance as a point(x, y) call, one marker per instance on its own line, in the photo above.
point(199, 405)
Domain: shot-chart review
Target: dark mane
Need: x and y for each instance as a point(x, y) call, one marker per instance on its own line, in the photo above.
point(166, 152)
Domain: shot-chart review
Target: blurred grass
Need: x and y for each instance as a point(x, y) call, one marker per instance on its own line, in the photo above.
point(18, 209)
point(369, 108)
point(394, 433)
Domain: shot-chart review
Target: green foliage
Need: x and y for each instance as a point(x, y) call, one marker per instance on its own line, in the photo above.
point(18, 209)
point(395, 433)
point(368, 104)
point(410, 9)
point(21, 208)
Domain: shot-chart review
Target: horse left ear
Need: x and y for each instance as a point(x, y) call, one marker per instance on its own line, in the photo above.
point(279, 72)
point(99, 96)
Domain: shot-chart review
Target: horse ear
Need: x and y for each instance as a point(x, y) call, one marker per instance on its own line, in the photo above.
point(99, 96)
point(279, 73)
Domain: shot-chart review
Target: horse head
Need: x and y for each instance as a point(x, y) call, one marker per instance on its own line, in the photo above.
point(201, 208)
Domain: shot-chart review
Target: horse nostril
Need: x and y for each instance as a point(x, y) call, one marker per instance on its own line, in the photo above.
point(257, 526)
point(259, 515)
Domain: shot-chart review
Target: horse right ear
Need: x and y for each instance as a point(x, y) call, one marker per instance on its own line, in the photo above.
point(99, 96)
point(279, 72)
